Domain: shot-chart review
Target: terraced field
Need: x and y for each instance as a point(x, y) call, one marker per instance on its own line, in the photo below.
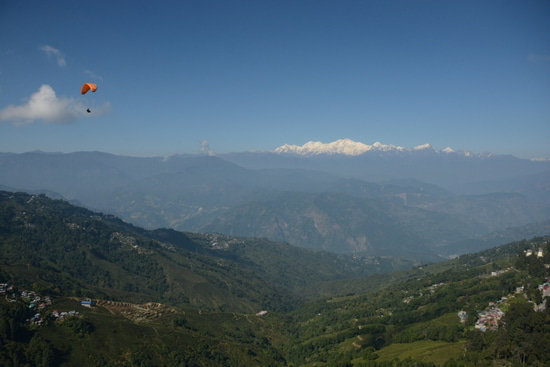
point(138, 313)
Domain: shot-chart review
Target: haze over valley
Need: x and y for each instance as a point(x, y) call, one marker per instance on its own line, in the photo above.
point(421, 203)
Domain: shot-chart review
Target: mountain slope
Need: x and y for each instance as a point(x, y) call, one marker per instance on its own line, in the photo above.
point(341, 223)
point(414, 320)
point(205, 193)
point(77, 251)
point(495, 211)
point(445, 168)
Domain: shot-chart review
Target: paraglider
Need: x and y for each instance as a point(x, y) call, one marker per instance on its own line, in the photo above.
point(88, 87)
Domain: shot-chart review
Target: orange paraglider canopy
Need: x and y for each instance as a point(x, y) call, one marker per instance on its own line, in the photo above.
point(86, 87)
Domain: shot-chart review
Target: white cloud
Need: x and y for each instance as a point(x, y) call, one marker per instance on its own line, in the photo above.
point(205, 148)
point(45, 105)
point(54, 52)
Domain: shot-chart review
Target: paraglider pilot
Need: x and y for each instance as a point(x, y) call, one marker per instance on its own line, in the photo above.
point(87, 87)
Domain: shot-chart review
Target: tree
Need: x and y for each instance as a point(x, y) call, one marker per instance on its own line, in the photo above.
point(39, 352)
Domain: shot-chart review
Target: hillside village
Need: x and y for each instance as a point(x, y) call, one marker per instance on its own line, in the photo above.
point(489, 318)
point(38, 305)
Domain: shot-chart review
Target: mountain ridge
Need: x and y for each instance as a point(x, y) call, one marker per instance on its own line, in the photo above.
point(351, 148)
point(190, 193)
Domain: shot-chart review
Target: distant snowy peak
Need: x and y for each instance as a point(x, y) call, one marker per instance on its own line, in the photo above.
point(342, 146)
point(347, 147)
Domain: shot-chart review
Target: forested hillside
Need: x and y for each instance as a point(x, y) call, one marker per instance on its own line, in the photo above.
point(417, 317)
point(70, 250)
point(166, 298)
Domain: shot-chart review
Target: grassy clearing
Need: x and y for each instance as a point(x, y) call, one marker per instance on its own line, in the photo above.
point(449, 319)
point(425, 351)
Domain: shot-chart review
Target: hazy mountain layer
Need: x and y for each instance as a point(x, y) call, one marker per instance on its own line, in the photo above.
point(286, 200)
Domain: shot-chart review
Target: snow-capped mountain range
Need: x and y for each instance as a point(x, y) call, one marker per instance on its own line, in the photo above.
point(351, 148)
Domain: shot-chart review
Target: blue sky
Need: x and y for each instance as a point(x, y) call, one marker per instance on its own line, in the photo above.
point(254, 75)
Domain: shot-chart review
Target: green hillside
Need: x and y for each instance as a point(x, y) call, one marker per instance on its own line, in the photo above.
point(166, 298)
point(111, 336)
point(415, 316)
point(54, 246)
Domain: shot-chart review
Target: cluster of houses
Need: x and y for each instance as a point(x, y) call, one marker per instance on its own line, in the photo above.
point(61, 315)
point(489, 318)
point(39, 319)
point(545, 288)
point(36, 303)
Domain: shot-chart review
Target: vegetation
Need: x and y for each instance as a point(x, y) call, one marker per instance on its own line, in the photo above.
point(53, 246)
point(165, 298)
point(417, 318)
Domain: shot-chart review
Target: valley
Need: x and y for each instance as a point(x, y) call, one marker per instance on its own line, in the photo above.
point(398, 203)
point(167, 298)
point(273, 259)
